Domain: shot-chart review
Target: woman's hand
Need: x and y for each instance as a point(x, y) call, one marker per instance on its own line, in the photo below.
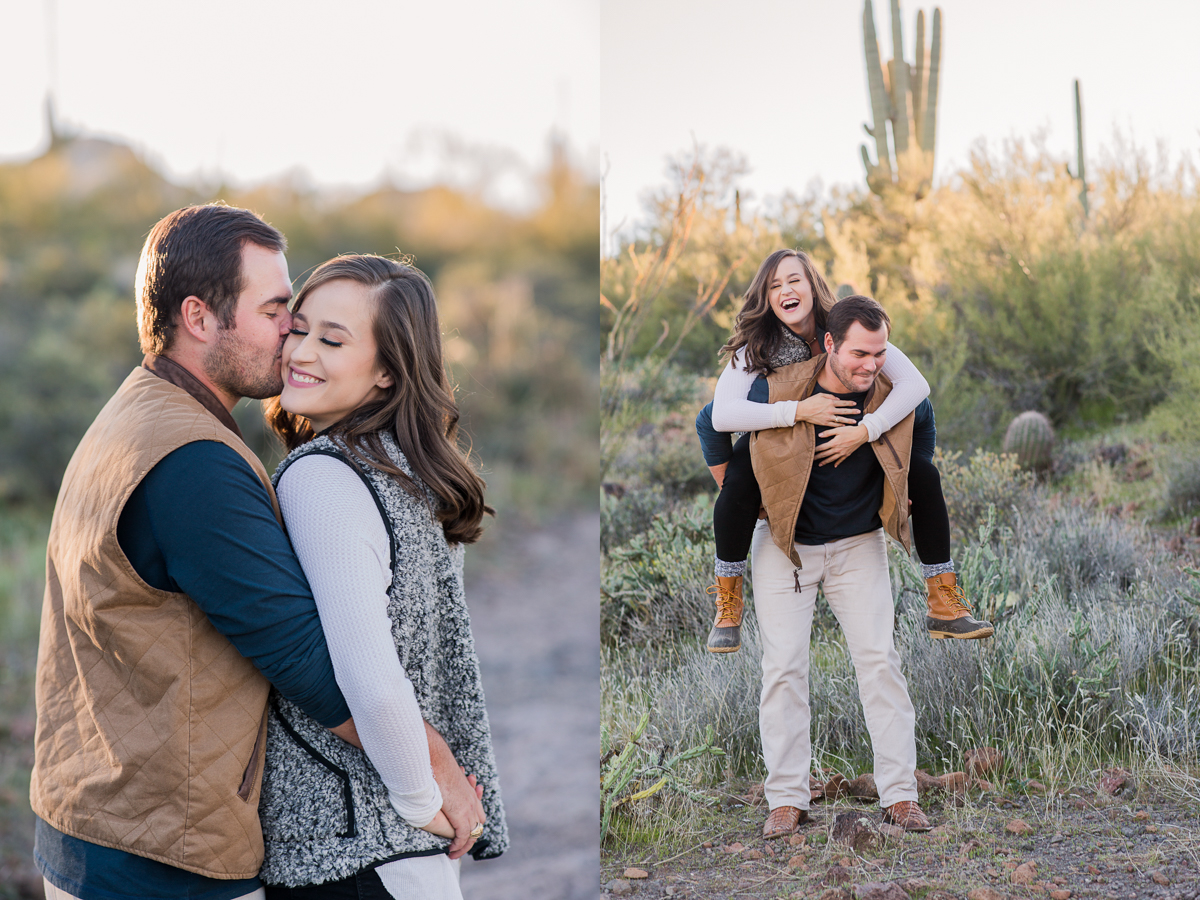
point(440, 826)
point(845, 441)
point(461, 796)
point(825, 409)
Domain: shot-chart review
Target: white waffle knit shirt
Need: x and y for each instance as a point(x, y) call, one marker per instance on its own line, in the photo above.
point(343, 547)
point(733, 412)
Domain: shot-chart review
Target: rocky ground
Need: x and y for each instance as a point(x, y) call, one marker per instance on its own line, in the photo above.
point(1003, 843)
point(533, 605)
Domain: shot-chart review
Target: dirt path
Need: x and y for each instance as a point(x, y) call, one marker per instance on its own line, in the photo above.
point(1066, 846)
point(534, 614)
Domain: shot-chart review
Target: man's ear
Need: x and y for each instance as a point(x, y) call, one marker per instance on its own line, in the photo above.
point(828, 343)
point(197, 319)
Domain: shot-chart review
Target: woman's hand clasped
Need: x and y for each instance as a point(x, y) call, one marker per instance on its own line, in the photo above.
point(826, 409)
point(846, 439)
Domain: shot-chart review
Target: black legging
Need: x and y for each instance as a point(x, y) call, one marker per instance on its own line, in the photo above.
point(736, 510)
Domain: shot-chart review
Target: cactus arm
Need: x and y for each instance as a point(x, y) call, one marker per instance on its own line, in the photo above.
point(918, 81)
point(901, 112)
point(879, 101)
point(1083, 198)
point(929, 117)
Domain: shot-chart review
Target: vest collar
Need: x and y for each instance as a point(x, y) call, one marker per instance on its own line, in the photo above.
point(171, 371)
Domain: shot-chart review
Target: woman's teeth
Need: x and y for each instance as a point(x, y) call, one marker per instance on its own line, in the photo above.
point(305, 379)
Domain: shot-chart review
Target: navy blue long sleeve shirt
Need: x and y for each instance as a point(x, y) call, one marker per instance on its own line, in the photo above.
point(200, 522)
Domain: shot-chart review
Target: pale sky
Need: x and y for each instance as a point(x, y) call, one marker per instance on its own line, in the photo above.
point(345, 91)
point(784, 83)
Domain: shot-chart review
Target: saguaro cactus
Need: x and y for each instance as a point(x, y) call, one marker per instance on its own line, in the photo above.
point(1079, 173)
point(1031, 437)
point(904, 97)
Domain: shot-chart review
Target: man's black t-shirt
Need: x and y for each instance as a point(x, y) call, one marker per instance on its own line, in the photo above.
point(844, 501)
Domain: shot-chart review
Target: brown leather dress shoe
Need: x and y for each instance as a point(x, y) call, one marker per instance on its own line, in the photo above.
point(784, 820)
point(907, 814)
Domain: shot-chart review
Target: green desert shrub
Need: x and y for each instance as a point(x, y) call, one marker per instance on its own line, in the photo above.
point(1181, 493)
point(654, 586)
point(985, 480)
point(626, 512)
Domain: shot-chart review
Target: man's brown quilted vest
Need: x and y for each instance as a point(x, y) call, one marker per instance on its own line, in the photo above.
point(783, 458)
point(150, 730)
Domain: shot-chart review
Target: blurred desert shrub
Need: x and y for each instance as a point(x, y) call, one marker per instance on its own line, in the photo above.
point(1181, 493)
point(516, 294)
point(986, 484)
point(653, 586)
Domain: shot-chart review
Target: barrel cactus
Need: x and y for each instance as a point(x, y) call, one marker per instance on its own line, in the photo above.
point(1030, 438)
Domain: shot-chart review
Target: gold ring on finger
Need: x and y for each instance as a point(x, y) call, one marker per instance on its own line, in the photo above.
point(477, 830)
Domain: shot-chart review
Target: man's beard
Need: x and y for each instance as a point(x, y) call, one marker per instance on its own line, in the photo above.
point(843, 375)
point(241, 370)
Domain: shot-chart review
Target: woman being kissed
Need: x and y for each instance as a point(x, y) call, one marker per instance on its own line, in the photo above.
point(782, 321)
point(378, 501)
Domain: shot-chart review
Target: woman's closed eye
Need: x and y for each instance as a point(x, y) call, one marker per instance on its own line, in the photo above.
point(326, 341)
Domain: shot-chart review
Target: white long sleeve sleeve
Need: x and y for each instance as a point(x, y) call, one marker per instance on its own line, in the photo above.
point(909, 388)
point(344, 549)
point(733, 412)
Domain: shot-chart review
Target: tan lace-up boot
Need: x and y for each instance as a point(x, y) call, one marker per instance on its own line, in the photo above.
point(726, 633)
point(949, 616)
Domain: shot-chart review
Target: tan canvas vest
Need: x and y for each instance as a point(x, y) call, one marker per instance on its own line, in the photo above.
point(150, 731)
point(783, 458)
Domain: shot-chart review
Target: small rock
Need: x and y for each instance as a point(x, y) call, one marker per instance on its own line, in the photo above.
point(986, 893)
point(926, 783)
point(632, 872)
point(1118, 783)
point(1092, 870)
point(836, 787)
point(753, 854)
point(1032, 785)
point(797, 840)
point(769, 849)
point(735, 847)
point(954, 782)
point(983, 760)
point(797, 862)
point(816, 788)
point(707, 845)
point(1025, 873)
point(754, 795)
point(985, 786)
point(1159, 878)
point(863, 787)
point(1018, 826)
point(833, 893)
point(1057, 839)
point(856, 832)
point(965, 850)
point(914, 885)
point(892, 832)
point(619, 887)
point(1151, 829)
point(1060, 894)
point(879, 890)
point(942, 834)
point(1141, 815)
point(837, 875)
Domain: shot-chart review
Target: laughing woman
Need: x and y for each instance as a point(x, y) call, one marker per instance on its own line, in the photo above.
point(378, 501)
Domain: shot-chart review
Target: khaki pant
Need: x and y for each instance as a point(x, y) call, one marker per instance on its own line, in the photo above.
point(854, 573)
point(53, 893)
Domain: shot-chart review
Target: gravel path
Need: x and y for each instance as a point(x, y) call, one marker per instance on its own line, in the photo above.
point(534, 615)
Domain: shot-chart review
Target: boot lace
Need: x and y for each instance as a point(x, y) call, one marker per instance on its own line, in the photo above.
point(954, 596)
point(727, 601)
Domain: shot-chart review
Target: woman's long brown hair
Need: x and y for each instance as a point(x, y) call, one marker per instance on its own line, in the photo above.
point(757, 328)
point(418, 410)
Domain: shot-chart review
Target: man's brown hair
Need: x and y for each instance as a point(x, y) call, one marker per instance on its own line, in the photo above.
point(195, 251)
point(855, 308)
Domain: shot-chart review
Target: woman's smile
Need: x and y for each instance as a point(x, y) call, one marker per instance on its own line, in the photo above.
point(300, 379)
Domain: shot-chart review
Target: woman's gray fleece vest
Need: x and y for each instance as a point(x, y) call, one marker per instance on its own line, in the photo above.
point(324, 809)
